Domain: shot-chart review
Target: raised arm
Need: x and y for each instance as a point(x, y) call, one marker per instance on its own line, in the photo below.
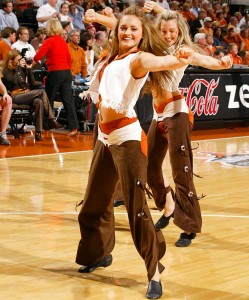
point(209, 62)
point(150, 6)
point(106, 18)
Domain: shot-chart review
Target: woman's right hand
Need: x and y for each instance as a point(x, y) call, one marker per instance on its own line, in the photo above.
point(185, 55)
point(90, 16)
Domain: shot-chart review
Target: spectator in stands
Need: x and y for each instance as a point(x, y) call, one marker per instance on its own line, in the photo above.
point(201, 43)
point(58, 61)
point(198, 23)
point(78, 56)
point(76, 13)
point(244, 21)
point(92, 30)
point(41, 35)
point(218, 39)
point(207, 26)
point(239, 17)
point(226, 11)
point(64, 10)
point(232, 50)
point(195, 9)
point(99, 43)
point(163, 3)
point(86, 42)
point(187, 14)
point(244, 33)
point(7, 17)
point(219, 53)
point(220, 18)
point(232, 37)
point(174, 5)
point(47, 12)
point(210, 48)
point(22, 42)
point(235, 24)
point(8, 38)
point(6, 108)
point(64, 34)
point(18, 78)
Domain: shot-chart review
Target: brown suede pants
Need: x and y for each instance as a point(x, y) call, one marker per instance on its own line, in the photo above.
point(96, 218)
point(176, 140)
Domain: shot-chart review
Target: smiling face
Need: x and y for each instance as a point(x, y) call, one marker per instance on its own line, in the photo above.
point(129, 33)
point(170, 31)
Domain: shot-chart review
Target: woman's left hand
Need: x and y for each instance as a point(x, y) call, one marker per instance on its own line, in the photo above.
point(185, 55)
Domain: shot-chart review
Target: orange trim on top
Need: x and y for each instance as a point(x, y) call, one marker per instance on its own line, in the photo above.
point(160, 108)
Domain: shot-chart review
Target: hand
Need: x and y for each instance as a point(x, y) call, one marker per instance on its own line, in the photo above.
point(185, 55)
point(22, 62)
point(226, 61)
point(90, 16)
point(54, 15)
point(148, 6)
point(107, 11)
point(7, 98)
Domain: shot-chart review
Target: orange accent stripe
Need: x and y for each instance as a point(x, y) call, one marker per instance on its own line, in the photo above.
point(144, 144)
point(107, 128)
point(160, 108)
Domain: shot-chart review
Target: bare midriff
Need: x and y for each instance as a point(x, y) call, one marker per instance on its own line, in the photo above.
point(162, 98)
point(107, 115)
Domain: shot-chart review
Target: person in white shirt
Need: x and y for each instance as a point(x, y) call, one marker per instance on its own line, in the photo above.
point(22, 42)
point(64, 9)
point(46, 12)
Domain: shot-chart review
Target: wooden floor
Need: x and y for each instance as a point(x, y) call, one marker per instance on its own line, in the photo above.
point(42, 181)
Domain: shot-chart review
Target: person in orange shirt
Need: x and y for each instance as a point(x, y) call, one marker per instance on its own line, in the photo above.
point(232, 50)
point(186, 13)
point(8, 38)
point(244, 33)
point(232, 37)
point(78, 55)
point(207, 26)
point(22, 4)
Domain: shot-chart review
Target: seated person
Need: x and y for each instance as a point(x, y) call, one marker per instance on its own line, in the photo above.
point(232, 50)
point(18, 78)
point(6, 107)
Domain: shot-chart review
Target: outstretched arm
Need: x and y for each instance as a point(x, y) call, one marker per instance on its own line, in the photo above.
point(146, 62)
point(209, 62)
point(106, 18)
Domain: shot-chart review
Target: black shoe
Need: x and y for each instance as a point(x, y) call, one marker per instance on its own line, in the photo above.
point(54, 124)
point(38, 136)
point(154, 290)
point(185, 239)
point(163, 221)
point(118, 203)
point(105, 262)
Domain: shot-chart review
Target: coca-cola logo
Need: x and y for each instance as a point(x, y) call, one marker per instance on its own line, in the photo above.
point(199, 97)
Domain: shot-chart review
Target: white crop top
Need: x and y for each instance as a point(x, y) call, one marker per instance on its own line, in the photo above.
point(173, 86)
point(118, 89)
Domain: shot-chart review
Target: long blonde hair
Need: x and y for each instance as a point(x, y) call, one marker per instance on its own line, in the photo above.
point(183, 36)
point(151, 42)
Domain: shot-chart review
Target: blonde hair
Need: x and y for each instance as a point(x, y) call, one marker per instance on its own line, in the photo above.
point(183, 36)
point(151, 42)
point(7, 62)
point(53, 27)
